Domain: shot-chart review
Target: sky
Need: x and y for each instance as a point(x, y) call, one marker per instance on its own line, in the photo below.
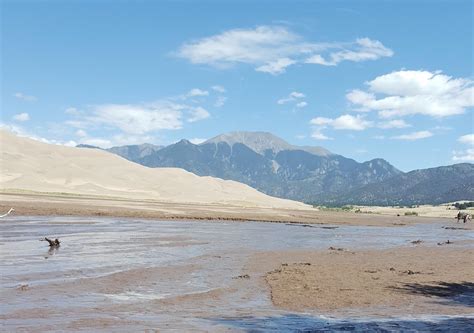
point(365, 79)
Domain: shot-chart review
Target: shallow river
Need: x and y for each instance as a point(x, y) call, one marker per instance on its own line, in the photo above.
point(187, 273)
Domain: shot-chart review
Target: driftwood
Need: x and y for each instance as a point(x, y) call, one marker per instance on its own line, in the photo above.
point(8, 213)
point(52, 243)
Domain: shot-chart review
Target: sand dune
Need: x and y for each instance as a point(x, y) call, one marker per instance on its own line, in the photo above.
point(35, 166)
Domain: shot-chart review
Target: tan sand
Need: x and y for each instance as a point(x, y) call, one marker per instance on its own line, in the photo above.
point(405, 280)
point(445, 210)
point(67, 205)
point(35, 166)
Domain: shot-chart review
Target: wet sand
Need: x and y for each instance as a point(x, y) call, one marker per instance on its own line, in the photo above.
point(122, 275)
point(415, 279)
point(67, 205)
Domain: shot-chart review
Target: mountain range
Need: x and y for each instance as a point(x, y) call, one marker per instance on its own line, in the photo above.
point(310, 174)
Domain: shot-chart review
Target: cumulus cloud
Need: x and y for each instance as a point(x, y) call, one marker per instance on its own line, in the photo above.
point(219, 89)
point(276, 67)
point(220, 101)
point(295, 99)
point(81, 133)
point(197, 141)
point(362, 50)
point(463, 155)
point(467, 139)
point(138, 118)
point(396, 123)
point(197, 114)
point(197, 92)
point(72, 111)
point(411, 92)
point(116, 140)
point(344, 122)
point(21, 117)
point(97, 142)
point(292, 97)
point(414, 136)
point(466, 155)
point(20, 131)
point(24, 97)
point(318, 135)
point(271, 49)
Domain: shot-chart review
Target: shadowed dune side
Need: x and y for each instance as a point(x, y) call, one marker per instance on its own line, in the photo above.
point(35, 166)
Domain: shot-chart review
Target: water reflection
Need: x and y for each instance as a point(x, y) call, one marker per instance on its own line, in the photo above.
point(52, 251)
point(302, 323)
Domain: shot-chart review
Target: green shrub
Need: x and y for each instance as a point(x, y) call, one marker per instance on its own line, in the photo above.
point(464, 205)
point(411, 214)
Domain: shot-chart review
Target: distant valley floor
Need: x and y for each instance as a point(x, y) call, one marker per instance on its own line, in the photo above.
point(29, 204)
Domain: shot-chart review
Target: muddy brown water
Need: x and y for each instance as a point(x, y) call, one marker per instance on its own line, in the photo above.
point(125, 275)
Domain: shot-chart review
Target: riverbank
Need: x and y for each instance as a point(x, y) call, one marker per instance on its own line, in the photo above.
point(415, 279)
point(29, 204)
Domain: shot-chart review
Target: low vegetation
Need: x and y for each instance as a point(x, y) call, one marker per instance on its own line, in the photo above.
point(411, 214)
point(463, 205)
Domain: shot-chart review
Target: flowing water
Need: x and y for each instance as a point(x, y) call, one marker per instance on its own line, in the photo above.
point(139, 275)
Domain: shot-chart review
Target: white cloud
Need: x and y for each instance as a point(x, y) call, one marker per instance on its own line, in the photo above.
point(117, 140)
point(97, 142)
point(272, 49)
point(317, 59)
point(410, 92)
point(138, 118)
point(72, 111)
point(467, 139)
point(360, 97)
point(362, 50)
point(344, 122)
point(20, 131)
point(466, 155)
point(440, 128)
point(351, 123)
point(396, 123)
point(321, 121)
point(219, 89)
point(197, 92)
point(301, 104)
point(293, 96)
point(81, 133)
point(318, 135)
point(25, 97)
point(276, 67)
point(197, 114)
point(463, 155)
point(414, 136)
point(134, 123)
point(21, 117)
point(197, 141)
point(220, 101)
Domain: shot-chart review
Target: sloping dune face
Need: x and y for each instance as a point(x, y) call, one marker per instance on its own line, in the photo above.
point(35, 166)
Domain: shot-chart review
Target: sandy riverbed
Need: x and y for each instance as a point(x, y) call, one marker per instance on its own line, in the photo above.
point(122, 274)
point(413, 279)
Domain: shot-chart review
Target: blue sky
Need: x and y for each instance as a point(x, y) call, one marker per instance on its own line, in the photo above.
point(366, 79)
